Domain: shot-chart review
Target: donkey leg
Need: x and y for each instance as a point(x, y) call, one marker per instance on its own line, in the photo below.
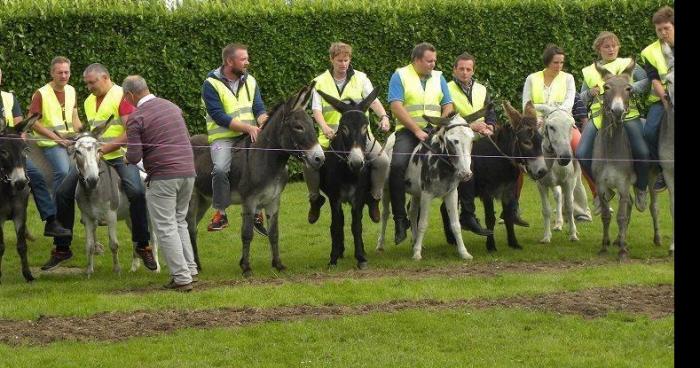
point(336, 230)
point(423, 204)
point(623, 217)
point(569, 202)
point(21, 231)
point(453, 215)
point(197, 208)
point(2, 246)
point(414, 214)
point(509, 209)
point(654, 209)
point(247, 215)
point(490, 220)
point(558, 217)
point(386, 211)
point(357, 235)
point(90, 230)
point(670, 184)
point(546, 213)
point(272, 212)
point(605, 215)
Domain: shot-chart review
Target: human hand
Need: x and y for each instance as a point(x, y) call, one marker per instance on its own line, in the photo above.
point(328, 132)
point(421, 135)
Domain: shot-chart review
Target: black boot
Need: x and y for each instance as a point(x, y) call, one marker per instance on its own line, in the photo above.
point(471, 223)
point(54, 229)
point(400, 227)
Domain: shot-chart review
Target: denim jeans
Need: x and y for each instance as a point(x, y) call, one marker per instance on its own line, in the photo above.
point(60, 162)
point(651, 128)
point(40, 192)
point(640, 152)
point(133, 188)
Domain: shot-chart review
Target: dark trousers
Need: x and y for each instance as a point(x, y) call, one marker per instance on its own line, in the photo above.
point(466, 192)
point(133, 188)
point(405, 142)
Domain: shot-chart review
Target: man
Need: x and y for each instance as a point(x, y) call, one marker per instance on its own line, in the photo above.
point(344, 83)
point(157, 133)
point(469, 96)
point(235, 110)
point(414, 90)
point(11, 114)
point(654, 63)
point(104, 101)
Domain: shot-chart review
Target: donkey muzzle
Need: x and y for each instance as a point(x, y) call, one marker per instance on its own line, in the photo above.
point(564, 160)
point(315, 157)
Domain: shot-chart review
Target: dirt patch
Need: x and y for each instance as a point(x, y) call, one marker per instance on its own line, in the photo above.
point(490, 269)
point(652, 301)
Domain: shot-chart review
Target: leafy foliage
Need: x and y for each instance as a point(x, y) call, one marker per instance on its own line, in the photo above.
point(174, 49)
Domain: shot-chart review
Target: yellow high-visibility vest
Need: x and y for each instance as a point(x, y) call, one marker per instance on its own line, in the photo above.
point(592, 79)
point(461, 102)
point(351, 92)
point(240, 108)
point(655, 56)
point(53, 116)
point(99, 116)
point(419, 101)
point(8, 103)
point(557, 92)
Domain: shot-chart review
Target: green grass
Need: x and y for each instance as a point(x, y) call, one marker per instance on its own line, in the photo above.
point(466, 338)
point(492, 337)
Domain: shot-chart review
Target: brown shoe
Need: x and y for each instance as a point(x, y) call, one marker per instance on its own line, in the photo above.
point(315, 209)
point(374, 213)
point(178, 287)
point(146, 254)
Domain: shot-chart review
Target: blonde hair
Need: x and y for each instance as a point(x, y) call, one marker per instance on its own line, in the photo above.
point(602, 37)
point(339, 48)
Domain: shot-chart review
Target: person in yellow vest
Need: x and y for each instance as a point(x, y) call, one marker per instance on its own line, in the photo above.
point(654, 63)
point(414, 90)
point(344, 83)
point(105, 100)
point(556, 88)
point(469, 96)
point(235, 110)
point(11, 114)
point(607, 45)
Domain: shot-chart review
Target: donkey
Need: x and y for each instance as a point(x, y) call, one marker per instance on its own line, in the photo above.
point(497, 163)
point(101, 198)
point(435, 170)
point(14, 188)
point(562, 174)
point(612, 156)
point(666, 134)
point(345, 176)
point(258, 172)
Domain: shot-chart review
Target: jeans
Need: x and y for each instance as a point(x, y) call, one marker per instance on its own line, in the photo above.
point(40, 192)
point(60, 162)
point(651, 128)
point(221, 153)
point(640, 152)
point(133, 188)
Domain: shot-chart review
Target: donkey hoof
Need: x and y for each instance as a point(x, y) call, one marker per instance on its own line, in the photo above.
point(573, 238)
point(546, 240)
point(417, 256)
point(557, 227)
point(279, 266)
point(622, 256)
point(602, 252)
point(247, 273)
point(657, 240)
point(362, 265)
point(671, 252)
point(28, 277)
point(515, 246)
point(466, 256)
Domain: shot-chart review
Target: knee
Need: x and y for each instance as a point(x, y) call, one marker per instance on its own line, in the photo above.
point(220, 169)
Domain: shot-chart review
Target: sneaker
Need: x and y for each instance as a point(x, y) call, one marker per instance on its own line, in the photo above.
point(54, 229)
point(178, 287)
point(315, 208)
point(640, 199)
point(373, 207)
point(259, 224)
point(218, 222)
point(660, 184)
point(195, 278)
point(57, 257)
point(146, 255)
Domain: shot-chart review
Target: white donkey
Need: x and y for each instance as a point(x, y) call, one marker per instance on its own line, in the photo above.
point(434, 171)
point(562, 171)
point(101, 199)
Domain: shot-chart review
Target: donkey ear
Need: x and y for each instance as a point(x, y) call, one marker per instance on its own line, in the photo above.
point(630, 68)
point(340, 106)
point(27, 124)
point(364, 105)
point(436, 120)
point(479, 114)
point(605, 73)
point(512, 113)
point(303, 97)
point(530, 111)
point(97, 132)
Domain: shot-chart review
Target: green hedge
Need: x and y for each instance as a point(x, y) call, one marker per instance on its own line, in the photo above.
point(174, 49)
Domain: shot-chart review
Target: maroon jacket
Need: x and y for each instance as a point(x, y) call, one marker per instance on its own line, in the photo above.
point(157, 133)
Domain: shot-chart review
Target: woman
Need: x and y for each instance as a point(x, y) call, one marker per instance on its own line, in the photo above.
point(607, 45)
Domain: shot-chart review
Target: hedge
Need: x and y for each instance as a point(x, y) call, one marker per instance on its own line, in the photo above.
point(174, 49)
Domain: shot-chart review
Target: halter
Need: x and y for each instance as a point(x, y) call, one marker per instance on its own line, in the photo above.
point(516, 145)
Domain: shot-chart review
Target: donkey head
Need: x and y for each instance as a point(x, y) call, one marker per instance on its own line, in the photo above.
point(351, 137)
point(556, 133)
point(527, 145)
point(13, 151)
point(297, 133)
point(670, 76)
point(454, 138)
point(617, 91)
point(84, 152)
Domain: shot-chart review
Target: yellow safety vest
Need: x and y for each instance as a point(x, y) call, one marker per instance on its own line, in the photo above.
point(653, 55)
point(419, 101)
point(8, 103)
point(592, 79)
point(53, 116)
point(351, 92)
point(557, 92)
point(97, 117)
point(240, 108)
point(461, 102)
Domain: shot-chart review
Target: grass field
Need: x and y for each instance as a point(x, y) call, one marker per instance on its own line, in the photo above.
point(547, 305)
